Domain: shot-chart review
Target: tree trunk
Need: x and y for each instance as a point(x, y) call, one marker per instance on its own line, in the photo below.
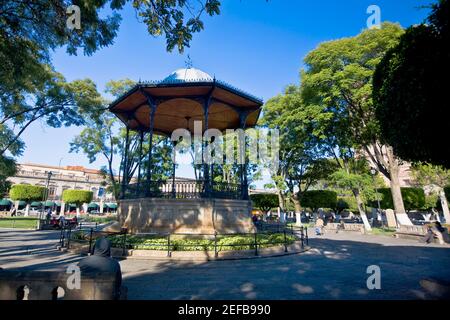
point(27, 210)
point(361, 210)
point(444, 205)
point(281, 200)
point(298, 211)
point(397, 198)
point(78, 212)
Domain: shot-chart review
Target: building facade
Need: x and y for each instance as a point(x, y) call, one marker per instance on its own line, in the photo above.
point(62, 178)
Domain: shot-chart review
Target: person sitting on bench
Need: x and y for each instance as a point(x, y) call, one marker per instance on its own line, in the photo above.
point(101, 261)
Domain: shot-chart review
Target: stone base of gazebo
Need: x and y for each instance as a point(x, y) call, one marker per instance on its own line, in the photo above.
point(195, 216)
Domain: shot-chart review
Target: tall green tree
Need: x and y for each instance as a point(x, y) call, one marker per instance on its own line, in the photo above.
point(354, 176)
point(337, 82)
point(30, 89)
point(104, 136)
point(55, 101)
point(410, 90)
point(438, 177)
point(300, 165)
point(8, 168)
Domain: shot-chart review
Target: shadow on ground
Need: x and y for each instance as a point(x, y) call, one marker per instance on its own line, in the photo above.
point(333, 269)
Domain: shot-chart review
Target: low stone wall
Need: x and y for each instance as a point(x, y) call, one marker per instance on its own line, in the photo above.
point(276, 250)
point(195, 216)
point(41, 285)
point(210, 255)
point(355, 227)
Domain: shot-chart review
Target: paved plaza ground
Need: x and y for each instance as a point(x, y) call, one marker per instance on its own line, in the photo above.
point(334, 268)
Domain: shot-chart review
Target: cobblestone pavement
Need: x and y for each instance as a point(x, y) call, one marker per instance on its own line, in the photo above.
point(335, 268)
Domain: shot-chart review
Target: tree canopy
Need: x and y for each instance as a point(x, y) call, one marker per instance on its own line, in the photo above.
point(410, 90)
point(30, 88)
point(315, 199)
point(27, 192)
point(265, 202)
point(77, 197)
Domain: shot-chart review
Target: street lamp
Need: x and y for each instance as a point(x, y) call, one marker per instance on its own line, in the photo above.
point(49, 176)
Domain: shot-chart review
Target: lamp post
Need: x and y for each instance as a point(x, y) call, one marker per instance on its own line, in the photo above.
point(49, 176)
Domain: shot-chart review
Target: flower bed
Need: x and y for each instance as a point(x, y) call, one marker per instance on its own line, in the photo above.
point(193, 242)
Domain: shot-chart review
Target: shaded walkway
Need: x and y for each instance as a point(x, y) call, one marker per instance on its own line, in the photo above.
point(334, 269)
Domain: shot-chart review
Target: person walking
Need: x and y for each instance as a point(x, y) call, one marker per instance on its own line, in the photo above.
point(319, 226)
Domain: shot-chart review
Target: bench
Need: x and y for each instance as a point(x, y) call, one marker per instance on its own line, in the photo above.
point(353, 227)
point(52, 285)
point(413, 233)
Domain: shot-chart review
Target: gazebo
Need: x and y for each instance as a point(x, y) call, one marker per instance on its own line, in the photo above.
point(158, 108)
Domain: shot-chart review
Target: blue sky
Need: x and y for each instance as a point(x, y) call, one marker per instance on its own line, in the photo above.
point(255, 45)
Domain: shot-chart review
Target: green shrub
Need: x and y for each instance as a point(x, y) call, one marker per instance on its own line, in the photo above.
point(413, 198)
point(27, 192)
point(77, 197)
point(431, 201)
point(316, 199)
point(224, 243)
point(346, 202)
point(264, 202)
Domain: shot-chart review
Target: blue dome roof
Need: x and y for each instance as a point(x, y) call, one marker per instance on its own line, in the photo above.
point(188, 75)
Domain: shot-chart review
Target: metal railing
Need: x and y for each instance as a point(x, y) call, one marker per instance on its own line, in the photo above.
point(182, 189)
point(168, 241)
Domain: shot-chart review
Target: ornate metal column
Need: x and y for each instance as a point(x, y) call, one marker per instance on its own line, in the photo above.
point(138, 189)
point(206, 176)
point(125, 164)
point(174, 169)
point(242, 145)
point(153, 105)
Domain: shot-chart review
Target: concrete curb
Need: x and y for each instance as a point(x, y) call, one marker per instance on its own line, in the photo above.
point(278, 251)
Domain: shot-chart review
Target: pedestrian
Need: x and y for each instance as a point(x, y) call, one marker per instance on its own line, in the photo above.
point(102, 262)
point(318, 226)
point(49, 215)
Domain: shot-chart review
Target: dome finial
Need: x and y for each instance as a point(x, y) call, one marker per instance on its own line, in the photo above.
point(188, 62)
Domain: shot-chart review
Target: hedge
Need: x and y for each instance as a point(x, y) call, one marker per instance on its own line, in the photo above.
point(77, 197)
point(265, 201)
point(346, 202)
point(316, 199)
point(413, 198)
point(27, 192)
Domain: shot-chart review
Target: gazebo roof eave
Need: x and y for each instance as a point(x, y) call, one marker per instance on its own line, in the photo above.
point(216, 83)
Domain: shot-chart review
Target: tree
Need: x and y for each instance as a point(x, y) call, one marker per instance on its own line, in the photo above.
point(265, 202)
point(425, 174)
point(77, 197)
point(57, 102)
point(30, 30)
point(45, 22)
point(356, 178)
point(104, 137)
point(410, 87)
point(346, 202)
point(337, 85)
point(414, 198)
point(316, 199)
point(27, 193)
point(300, 165)
point(8, 168)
